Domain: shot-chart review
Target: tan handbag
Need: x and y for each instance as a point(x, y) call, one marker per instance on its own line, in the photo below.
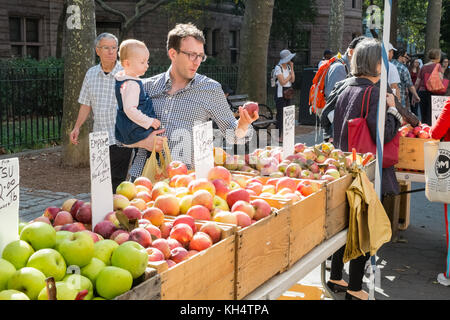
point(158, 171)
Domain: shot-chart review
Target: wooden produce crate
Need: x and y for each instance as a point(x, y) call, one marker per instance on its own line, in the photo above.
point(149, 289)
point(307, 225)
point(208, 275)
point(410, 154)
point(262, 251)
point(405, 200)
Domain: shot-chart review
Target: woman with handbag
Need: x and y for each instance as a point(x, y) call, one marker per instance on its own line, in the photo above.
point(285, 76)
point(434, 55)
point(441, 130)
point(366, 68)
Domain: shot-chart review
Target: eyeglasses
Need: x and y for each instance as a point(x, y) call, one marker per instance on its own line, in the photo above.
point(194, 56)
point(107, 48)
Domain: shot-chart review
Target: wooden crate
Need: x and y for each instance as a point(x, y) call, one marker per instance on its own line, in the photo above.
point(208, 275)
point(262, 251)
point(149, 289)
point(307, 225)
point(405, 200)
point(410, 154)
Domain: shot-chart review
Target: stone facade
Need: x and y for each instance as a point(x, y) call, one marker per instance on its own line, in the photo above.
point(220, 25)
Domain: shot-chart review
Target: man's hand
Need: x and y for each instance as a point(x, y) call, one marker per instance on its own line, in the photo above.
point(74, 136)
point(244, 121)
point(415, 99)
point(152, 140)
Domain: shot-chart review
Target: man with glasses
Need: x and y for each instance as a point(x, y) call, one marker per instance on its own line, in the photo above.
point(400, 61)
point(98, 95)
point(182, 98)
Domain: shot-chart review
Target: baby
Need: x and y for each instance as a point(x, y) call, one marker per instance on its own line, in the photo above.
point(135, 118)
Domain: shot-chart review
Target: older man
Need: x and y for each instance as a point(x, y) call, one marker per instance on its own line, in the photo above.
point(183, 98)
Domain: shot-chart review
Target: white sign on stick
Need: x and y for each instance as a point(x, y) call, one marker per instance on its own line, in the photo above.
point(203, 149)
point(101, 186)
point(9, 201)
point(437, 104)
point(288, 131)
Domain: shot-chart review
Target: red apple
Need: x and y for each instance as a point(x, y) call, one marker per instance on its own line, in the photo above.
point(73, 227)
point(179, 254)
point(200, 241)
point(221, 187)
point(305, 188)
point(221, 173)
point(423, 134)
point(213, 230)
point(105, 228)
point(184, 218)
point(51, 212)
point(154, 254)
point(199, 212)
point(243, 220)
point(84, 213)
point(262, 208)
point(143, 181)
point(183, 180)
point(75, 207)
point(182, 232)
point(120, 236)
point(243, 206)
point(163, 246)
point(203, 198)
point(95, 236)
point(286, 182)
point(165, 229)
point(299, 147)
point(251, 107)
point(67, 205)
point(132, 212)
point(176, 168)
point(174, 243)
point(138, 203)
point(236, 195)
point(43, 219)
point(169, 204)
point(256, 187)
point(154, 215)
point(141, 236)
point(160, 188)
point(202, 184)
point(62, 218)
point(111, 216)
point(144, 195)
point(154, 231)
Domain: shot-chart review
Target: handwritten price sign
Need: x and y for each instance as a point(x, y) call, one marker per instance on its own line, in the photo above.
point(9, 201)
point(203, 149)
point(288, 130)
point(101, 186)
point(437, 104)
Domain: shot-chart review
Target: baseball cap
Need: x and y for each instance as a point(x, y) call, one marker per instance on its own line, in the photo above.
point(391, 47)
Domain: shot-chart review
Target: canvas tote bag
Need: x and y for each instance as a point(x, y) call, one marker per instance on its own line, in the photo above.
point(437, 171)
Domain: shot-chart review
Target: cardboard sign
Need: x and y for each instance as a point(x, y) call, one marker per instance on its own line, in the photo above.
point(9, 201)
point(203, 149)
point(437, 104)
point(288, 130)
point(101, 186)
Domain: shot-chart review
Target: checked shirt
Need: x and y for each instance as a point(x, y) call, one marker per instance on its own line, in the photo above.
point(200, 101)
point(98, 92)
point(405, 80)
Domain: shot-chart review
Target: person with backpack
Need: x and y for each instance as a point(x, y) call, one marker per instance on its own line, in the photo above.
point(283, 77)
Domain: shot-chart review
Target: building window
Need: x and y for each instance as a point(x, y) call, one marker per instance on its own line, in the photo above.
point(215, 42)
point(24, 37)
point(354, 4)
point(234, 46)
point(110, 27)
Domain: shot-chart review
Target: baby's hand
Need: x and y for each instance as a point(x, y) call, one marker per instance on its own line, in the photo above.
point(156, 124)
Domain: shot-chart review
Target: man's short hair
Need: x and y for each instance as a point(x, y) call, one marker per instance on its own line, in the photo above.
point(355, 42)
point(399, 53)
point(434, 54)
point(182, 31)
point(128, 47)
point(105, 35)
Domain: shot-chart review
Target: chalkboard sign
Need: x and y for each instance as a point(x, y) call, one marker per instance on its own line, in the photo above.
point(9, 201)
point(288, 130)
point(437, 104)
point(101, 186)
point(203, 149)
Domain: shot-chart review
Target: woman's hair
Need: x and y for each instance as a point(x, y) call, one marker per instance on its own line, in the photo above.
point(182, 31)
point(105, 35)
point(366, 57)
point(411, 65)
point(127, 47)
point(443, 58)
point(434, 54)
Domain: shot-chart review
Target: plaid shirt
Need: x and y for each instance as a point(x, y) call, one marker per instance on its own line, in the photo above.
point(98, 92)
point(200, 101)
point(405, 80)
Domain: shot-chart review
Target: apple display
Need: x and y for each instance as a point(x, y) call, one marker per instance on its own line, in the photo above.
point(113, 281)
point(50, 262)
point(39, 235)
point(130, 256)
point(103, 250)
point(77, 249)
point(17, 253)
point(92, 269)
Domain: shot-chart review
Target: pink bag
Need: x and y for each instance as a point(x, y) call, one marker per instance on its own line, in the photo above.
point(433, 82)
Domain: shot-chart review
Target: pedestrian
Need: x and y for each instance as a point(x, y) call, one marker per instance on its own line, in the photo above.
point(414, 68)
point(393, 76)
point(441, 130)
point(285, 77)
point(135, 118)
point(445, 68)
point(434, 55)
point(406, 84)
point(366, 69)
point(327, 55)
point(182, 98)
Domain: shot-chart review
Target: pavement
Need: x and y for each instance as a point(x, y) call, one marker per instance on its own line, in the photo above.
point(408, 268)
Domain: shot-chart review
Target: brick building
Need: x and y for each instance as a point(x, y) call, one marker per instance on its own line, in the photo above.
point(30, 28)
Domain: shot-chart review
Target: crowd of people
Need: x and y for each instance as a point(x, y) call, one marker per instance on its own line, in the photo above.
point(139, 114)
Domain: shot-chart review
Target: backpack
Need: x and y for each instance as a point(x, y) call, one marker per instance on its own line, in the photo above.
point(316, 92)
point(273, 77)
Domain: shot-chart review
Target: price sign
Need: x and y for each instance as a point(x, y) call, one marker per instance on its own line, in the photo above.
point(437, 104)
point(288, 130)
point(9, 201)
point(101, 186)
point(203, 149)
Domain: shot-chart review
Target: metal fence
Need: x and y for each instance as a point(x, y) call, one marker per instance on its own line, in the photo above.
point(31, 102)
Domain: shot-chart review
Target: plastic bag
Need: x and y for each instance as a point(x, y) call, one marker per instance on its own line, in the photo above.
point(158, 171)
point(437, 171)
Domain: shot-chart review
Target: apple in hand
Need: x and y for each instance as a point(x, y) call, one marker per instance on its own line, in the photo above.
point(50, 262)
point(39, 235)
point(7, 269)
point(27, 280)
point(77, 249)
point(130, 256)
point(251, 107)
point(17, 253)
point(103, 250)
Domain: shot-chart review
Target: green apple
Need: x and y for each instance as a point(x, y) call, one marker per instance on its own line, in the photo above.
point(50, 262)
point(7, 269)
point(220, 203)
point(77, 249)
point(98, 298)
point(64, 291)
point(13, 295)
point(103, 250)
point(60, 236)
point(131, 256)
point(79, 283)
point(113, 281)
point(92, 269)
point(39, 234)
point(18, 252)
point(27, 280)
point(21, 226)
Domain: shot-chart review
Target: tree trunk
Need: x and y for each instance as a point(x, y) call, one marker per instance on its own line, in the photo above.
point(60, 31)
point(394, 15)
point(79, 57)
point(255, 32)
point(336, 26)
point(433, 29)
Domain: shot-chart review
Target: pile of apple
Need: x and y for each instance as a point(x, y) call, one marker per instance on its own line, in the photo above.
point(83, 266)
point(422, 131)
